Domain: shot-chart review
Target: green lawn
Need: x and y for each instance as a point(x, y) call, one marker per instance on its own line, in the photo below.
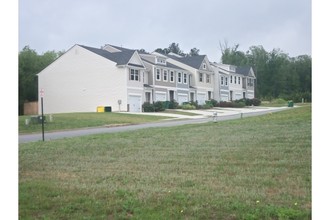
point(250, 168)
point(83, 120)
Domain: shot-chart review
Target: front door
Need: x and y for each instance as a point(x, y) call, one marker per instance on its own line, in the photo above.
point(171, 95)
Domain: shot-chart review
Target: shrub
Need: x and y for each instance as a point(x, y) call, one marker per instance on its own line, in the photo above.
point(239, 104)
point(256, 102)
point(173, 104)
point(214, 102)
point(159, 106)
point(188, 107)
point(249, 102)
point(224, 104)
point(194, 103)
point(206, 106)
point(235, 104)
point(148, 107)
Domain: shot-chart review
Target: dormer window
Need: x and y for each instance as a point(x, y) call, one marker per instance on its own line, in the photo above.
point(204, 66)
point(160, 61)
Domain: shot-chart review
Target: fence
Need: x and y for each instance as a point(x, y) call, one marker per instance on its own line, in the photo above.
point(30, 108)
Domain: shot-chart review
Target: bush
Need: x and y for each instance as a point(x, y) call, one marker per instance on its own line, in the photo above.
point(194, 104)
point(212, 102)
point(188, 107)
point(256, 102)
point(159, 106)
point(235, 104)
point(148, 107)
point(206, 106)
point(173, 104)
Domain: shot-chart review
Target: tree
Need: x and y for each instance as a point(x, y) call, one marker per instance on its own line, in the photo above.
point(174, 48)
point(193, 52)
point(232, 55)
point(278, 75)
point(30, 64)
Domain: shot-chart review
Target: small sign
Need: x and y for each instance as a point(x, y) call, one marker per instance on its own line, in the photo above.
point(42, 92)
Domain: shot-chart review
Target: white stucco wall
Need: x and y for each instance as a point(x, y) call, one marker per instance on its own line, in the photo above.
point(81, 80)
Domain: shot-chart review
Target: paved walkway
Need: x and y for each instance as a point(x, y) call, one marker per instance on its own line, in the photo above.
point(201, 117)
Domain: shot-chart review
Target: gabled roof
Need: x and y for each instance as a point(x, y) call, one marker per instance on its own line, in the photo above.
point(169, 65)
point(193, 61)
point(121, 58)
point(244, 70)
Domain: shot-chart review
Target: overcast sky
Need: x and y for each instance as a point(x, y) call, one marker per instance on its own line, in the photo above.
point(58, 25)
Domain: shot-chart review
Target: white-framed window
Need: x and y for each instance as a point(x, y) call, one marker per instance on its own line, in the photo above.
point(231, 79)
point(134, 75)
point(235, 79)
point(222, 81)
point(179, 78)
point(158, 74)
point(161, 61)
point(208, 79)
point(239, 80)
point(165, 75)
point(204, 66)
point(201, 77)
point(226, 81)
point(172, 76)
point(185, 78)
point(250, 82)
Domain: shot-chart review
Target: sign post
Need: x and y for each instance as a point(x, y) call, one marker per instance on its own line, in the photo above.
point(42, 92)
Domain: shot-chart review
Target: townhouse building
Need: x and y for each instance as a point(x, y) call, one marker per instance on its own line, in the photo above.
point(166, 81)
point(201, 78)
point(85, 77)
point(233, 83)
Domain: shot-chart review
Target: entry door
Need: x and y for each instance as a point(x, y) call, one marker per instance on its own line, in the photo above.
point(134, 103)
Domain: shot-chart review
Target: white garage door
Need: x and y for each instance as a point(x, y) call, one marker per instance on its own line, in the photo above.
point(201, 98)
point(160, 97)
point(182, 98)
point(134, 103)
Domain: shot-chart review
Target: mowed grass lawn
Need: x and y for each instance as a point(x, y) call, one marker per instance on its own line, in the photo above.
point(250, 168)
point(85, 120)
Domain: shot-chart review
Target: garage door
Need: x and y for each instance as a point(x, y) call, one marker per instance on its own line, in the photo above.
point(160, 96)
point(182, 98)
point(201, 98)
point(134, 103)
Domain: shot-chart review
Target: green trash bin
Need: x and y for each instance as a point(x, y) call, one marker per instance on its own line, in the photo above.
point(166, 104)
point(107, 109)
point(290, 103)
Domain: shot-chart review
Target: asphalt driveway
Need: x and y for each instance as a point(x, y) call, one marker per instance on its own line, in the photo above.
point(202, 117)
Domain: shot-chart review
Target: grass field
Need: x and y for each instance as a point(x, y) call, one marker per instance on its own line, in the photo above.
point(83, 120)
point(250, 168)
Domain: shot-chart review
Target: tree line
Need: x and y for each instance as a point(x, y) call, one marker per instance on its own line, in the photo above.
point(278, 75)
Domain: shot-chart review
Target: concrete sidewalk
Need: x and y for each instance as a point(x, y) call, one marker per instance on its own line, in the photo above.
point(209, 112)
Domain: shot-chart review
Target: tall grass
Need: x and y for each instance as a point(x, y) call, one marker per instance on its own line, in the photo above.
point(250, 168)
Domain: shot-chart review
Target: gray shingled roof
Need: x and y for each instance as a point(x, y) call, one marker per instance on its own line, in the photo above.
point(169, 65)
point(194, 61)
point(121, 58)
point(243, 70)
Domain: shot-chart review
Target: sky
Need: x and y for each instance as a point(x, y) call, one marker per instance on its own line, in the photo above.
point(46, 25)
